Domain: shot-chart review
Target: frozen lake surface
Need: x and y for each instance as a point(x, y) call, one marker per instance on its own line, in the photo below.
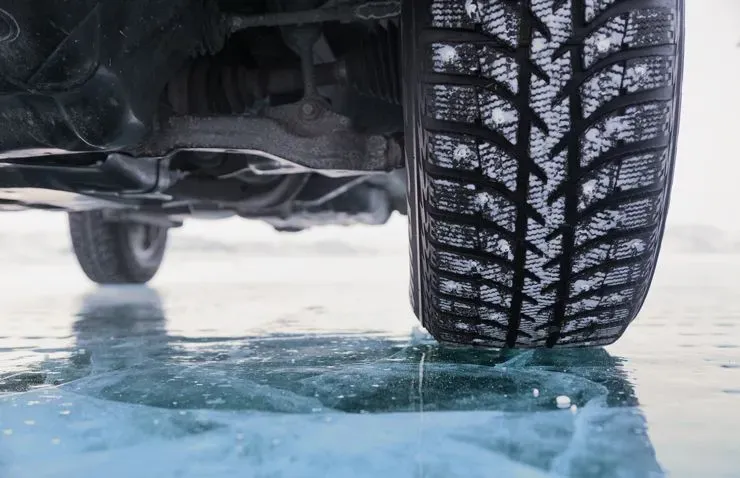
point(254, 354)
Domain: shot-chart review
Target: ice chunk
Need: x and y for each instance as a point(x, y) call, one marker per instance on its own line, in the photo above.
point(562, 401)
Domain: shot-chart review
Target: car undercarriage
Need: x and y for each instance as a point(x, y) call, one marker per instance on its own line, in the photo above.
point(289, 111)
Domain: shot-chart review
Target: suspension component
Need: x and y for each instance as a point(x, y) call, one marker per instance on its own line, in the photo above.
point(302, 39)
point(207, 87)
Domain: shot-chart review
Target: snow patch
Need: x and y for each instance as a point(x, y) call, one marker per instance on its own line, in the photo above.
point(482, 200)
point(589, 187)
point(604, 42)
point(472, 9)
point(504, 248)
point(637, 72)
point(462, 152)
point(581, 285)
point(449, 286)
point(539, 44)
point(637, 245)
point(445, 55)
point(501, 116)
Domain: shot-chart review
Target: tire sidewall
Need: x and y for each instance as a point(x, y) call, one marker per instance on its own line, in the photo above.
point(413, 140)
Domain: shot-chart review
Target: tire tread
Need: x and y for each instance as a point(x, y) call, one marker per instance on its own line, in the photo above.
point(548, 133)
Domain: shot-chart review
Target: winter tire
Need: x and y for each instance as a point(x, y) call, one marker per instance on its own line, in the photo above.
point(540, 147)
point(116, 252)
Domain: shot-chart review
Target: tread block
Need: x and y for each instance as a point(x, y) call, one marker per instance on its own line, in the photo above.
point(474, 268)
point(628, 174)
point(627, 215)
point(637, 123)
point(467, 153)
point(632, 76)
point(466, 236)
point(500, 67)
point(617, 250)
point(454, 58)
point(591, 321)
point(636, 29)
point(601, 298)
point(453, 151)
point(453, 103)
point(457, 197)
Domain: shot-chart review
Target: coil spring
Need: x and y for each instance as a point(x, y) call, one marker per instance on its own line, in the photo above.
point(375, 68)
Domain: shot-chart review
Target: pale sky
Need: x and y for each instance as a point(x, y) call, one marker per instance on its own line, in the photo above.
point(708, 165)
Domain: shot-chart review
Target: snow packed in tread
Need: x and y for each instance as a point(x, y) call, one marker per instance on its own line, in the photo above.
point(612, 190)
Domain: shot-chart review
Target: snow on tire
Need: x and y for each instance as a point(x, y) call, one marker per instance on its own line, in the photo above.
point(539, 174)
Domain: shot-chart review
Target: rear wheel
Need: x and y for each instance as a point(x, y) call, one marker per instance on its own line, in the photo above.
point(116, 252)
point(539, 165)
